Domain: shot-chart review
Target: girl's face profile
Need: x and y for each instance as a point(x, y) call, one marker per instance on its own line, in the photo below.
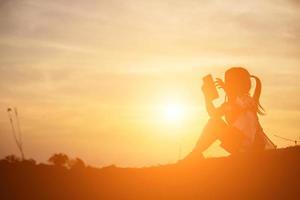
point(230, 84)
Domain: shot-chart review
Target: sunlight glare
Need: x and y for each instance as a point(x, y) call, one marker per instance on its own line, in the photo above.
point(174, 112)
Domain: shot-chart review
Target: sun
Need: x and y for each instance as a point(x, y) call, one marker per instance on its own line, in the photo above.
point(174, 112)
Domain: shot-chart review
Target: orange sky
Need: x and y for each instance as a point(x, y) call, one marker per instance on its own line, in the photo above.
point(92, 78)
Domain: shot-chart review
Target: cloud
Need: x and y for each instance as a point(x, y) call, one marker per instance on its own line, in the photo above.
point(295, 2)
point(143, 27)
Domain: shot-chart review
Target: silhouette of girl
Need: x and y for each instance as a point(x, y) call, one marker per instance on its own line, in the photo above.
point(241, 130)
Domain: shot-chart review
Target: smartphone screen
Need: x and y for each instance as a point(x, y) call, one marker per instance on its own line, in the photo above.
point(212, 90)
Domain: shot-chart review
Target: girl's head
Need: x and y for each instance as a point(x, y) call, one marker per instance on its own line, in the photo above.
point(238, 83)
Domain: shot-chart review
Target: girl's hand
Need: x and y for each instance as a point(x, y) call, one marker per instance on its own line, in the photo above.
point(220, 84)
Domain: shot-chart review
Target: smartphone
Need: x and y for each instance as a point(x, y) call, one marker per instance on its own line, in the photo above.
point(212, 92)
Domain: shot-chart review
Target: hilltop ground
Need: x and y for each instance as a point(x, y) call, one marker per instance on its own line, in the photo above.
point(273, 174)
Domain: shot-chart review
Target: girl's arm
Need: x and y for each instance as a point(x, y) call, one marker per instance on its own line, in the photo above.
point(213, 111)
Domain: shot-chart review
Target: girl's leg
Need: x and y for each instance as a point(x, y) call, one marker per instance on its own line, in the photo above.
point(214, 129)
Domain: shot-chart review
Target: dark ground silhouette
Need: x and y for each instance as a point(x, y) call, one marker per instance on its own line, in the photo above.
point(274, 174)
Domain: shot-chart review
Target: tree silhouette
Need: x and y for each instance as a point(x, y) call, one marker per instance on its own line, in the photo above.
point(29, 162)
point(60, 160)
point(12, 159)
point(76, 163)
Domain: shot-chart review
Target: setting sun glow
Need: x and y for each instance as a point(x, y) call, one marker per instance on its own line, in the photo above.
point(174, 112)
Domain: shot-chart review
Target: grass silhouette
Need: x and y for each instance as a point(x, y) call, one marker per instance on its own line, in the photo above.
point(272, 174)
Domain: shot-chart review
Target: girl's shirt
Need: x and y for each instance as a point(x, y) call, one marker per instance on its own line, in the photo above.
point(241, 114)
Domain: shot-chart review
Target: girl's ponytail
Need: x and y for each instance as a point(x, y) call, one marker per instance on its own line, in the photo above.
point(256, 95)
